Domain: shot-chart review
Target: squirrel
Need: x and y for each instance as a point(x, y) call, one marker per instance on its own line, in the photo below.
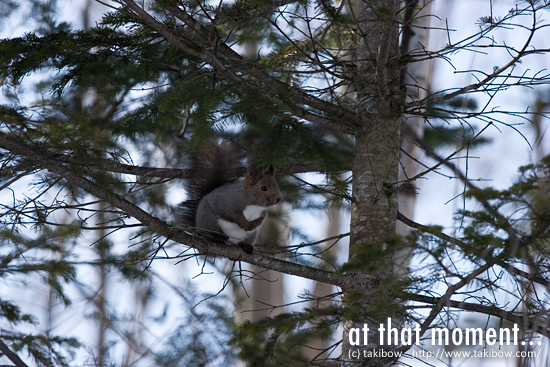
point(222, 207)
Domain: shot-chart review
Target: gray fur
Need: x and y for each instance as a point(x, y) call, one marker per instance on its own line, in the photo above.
point(221, 213)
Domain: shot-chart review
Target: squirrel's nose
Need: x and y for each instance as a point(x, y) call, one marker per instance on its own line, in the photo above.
point(278, 198)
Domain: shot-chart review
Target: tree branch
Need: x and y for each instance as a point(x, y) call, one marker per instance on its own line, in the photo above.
point(503, 221)
point(484, 309)
point(155, 224)
point(488, 259)
point(343, 117)
point(182, 173)
point(11, 355)
point(488, 78)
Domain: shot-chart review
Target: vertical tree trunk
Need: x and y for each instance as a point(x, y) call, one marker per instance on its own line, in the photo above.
point(99, 302)
point(99, 299)
point(316, 348)
point(415, 77)
point(375, 167)
point(136, 338)
point(266, 288)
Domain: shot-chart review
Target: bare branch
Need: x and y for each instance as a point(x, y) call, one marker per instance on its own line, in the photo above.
point(484, 309)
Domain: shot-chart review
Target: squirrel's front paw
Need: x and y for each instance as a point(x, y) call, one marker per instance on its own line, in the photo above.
point(247, 248)
point(252, 225)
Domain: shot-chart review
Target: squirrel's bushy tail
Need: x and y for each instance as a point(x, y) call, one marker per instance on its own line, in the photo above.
point(213, 165)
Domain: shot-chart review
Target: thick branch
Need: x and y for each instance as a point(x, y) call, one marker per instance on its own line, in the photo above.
point(161, 227)
point(11, 355)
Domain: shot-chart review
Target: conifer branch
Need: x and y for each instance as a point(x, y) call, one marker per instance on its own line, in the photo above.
point(537, 278)
point(503, 222)
point(254, 70)
point(443, 301)
point(155, 224)
point(343, 119)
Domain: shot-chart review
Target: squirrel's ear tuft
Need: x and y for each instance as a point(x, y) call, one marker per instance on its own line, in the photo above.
point(271, 170)
point(254, 175)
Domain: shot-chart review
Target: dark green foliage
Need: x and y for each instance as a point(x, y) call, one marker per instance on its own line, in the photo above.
point(202, 336)
point(12, 313)
point(280, 340)
point(510, 227)
point(43, 348)
point(25, 258)
point(83, 54)
point(112, 61)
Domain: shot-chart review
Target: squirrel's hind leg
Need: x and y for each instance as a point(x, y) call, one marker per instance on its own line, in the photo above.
point(247, 248)
point(247, 244)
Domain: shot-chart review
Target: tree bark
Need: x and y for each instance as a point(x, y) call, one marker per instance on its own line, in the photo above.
point(375, 169)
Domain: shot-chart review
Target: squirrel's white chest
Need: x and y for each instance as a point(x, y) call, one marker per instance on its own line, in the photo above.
point(232, 230)
point(253, 212)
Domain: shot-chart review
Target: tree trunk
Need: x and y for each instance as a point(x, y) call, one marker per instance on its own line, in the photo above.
point(375, 171)
point(415, 78)
point(266, 289)
point(415, 37)
point(316, 349)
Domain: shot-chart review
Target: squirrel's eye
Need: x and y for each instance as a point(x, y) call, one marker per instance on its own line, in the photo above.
point(264, 188)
